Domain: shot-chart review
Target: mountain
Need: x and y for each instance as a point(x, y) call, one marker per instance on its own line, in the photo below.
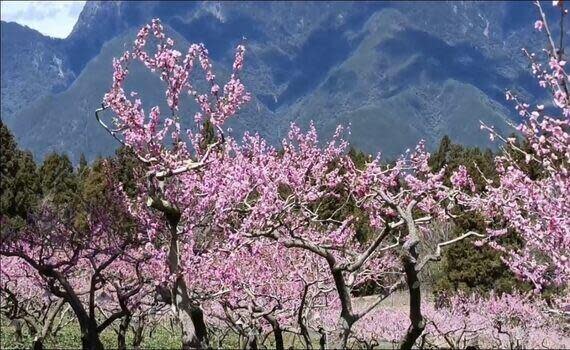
point(395, 71)
point(65, 122)
point(33, 66)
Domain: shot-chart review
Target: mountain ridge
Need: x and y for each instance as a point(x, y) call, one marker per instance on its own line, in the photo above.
point(394, 71)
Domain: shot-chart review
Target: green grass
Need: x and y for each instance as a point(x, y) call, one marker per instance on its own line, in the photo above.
point(162, 338)
point(70, 338)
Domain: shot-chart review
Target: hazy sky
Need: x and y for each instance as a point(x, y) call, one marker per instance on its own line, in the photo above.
point(53, 18)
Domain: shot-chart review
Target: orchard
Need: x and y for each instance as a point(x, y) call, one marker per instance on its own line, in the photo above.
point(238, 243)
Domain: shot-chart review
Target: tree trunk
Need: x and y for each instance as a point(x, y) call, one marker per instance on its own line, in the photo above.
point(38, 344)
point(189, 337)
point(347, 317)
point(197, 316)
point(189, 316)
point(138, 332)
point(90, 340)
point(122, 334)
point(417, 321)
point(277, 332)
point(322, 339)
point(89, 333)
point(302, 326)
point(251, 343)
point(191, 319)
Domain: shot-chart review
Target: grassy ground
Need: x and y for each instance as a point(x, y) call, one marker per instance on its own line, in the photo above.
point(70, 338)
point(163, 337)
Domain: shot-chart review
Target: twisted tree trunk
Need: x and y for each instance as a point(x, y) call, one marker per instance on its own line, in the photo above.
point(189, 315)
point(38, 343)
point(138, 332)
point(347, 317)
point(277, 332)
point(417, 322)
point(122, 334)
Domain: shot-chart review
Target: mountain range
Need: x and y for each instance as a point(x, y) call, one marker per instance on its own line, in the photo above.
point(395, 72)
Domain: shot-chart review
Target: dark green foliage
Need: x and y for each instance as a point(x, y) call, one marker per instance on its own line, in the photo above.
point(83, 165)
point(19, 185)
point(58, 179)
point(465, 266)
point(358, 157)
point(474, 159)
point(126, 168)
point(93, 183)
point(469, 268)
point(208, 135)
point(56, 182)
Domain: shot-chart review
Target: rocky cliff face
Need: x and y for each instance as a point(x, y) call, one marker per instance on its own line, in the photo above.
point(396, 71)
point(33, 66)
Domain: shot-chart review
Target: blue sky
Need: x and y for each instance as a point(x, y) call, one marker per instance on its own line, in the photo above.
point(53, 18)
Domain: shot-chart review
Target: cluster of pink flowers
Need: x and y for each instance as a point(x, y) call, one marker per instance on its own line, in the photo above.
point(147, 138)
point(509, 321)
point(264, 240)
point(248, 200)
point(536, 207)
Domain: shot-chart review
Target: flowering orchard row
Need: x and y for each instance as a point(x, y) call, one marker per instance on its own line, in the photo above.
point(228, 235)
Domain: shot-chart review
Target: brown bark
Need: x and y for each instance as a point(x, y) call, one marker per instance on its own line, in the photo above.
point(417, 322)
point(277, 332)
point(89, 332)
point(38, 343)
point(138, 333)
point(347, 317)
point(189, 315)
point(122, 334)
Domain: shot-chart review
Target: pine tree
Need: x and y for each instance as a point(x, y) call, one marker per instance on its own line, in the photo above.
point(208, 135)
point(127, 167)
point(465, 266)
point(58, 180)
point(83, 165)
point(358, 157)
point(19, 185)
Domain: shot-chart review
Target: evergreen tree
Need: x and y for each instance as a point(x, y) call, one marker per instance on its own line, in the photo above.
point(480, 164)
point(209, 135)
point(58, 180)
point(19, 186)
point(439, 158)
point(465, 266)
point(358, 157)
point(83, 165)
point(126, 167)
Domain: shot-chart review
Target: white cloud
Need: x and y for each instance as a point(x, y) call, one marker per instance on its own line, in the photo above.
point(53, 18)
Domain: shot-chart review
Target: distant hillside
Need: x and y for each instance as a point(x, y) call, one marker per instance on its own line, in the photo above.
point(65, 122)
point(33, 66)
point(395, 72)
